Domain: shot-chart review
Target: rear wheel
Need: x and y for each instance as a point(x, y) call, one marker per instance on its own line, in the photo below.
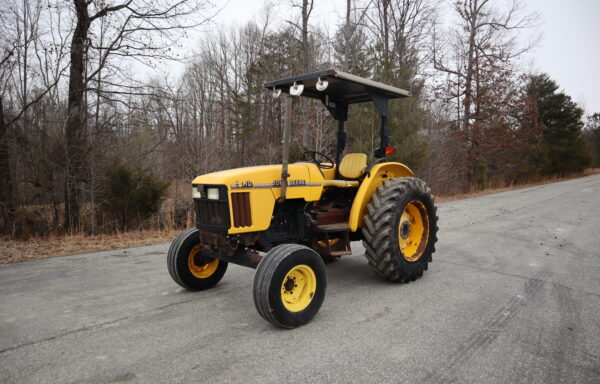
point(400, 229)
point(289, 285)
point(189, 267)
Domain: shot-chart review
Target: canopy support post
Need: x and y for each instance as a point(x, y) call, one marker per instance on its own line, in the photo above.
point(341, 116)
point(382, 105)
point(286, 146)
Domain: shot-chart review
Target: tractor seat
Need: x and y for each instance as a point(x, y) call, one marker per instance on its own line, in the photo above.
point(352, 167)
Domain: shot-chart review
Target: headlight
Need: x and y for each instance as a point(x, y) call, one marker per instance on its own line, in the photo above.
point(196, 194)
point(212, 193)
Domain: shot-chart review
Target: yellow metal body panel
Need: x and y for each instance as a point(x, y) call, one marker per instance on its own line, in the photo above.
point(341, 183)
point(378, 174)
point(264, 184)
point(329, 174)
point(305, 182)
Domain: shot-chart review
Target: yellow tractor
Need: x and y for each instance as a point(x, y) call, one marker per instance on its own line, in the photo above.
point(287, 220)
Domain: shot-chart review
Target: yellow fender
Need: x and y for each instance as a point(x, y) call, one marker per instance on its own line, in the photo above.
point(378, 174)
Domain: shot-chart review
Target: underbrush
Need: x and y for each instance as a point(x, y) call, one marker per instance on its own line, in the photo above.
point(47, 220)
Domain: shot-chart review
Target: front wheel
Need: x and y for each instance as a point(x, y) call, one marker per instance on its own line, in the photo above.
point(289, 285)
point(400, 229)
point(189, 267)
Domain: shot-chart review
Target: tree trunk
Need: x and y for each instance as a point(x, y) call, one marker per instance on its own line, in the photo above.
point(472, 15)
point(74, 128)
point(347, 36)
point(386, 36)
point(7, 208)
point(348, 7)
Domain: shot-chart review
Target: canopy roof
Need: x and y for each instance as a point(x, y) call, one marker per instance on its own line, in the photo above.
point(342, 88)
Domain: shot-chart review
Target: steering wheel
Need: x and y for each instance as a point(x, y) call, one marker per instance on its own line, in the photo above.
point(322, 161)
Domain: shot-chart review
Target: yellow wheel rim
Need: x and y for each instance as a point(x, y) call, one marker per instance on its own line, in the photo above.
point(413, 230)
point(201, 271)
point(298, 288)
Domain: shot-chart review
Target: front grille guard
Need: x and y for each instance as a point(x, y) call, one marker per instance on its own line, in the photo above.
point(212, 215)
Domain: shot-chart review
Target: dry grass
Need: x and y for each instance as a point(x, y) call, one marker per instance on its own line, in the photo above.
point(14, 251)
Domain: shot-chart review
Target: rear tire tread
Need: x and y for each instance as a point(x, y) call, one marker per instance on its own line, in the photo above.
point(380, 236)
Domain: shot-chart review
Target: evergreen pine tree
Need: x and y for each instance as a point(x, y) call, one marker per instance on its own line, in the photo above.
point(564, 148)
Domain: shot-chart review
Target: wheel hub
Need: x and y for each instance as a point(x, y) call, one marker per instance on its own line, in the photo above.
point(290, 284)
point(198, 259)
point(298, 288)
point(200, 266)
point(405, 229)
point(413, 230)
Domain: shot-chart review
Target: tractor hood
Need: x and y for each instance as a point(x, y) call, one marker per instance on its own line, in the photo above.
point(305, 180)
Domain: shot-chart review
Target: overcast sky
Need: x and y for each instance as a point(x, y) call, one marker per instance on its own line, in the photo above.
point(569, 50)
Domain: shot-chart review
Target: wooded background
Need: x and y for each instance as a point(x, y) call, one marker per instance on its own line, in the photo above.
point(86, 146)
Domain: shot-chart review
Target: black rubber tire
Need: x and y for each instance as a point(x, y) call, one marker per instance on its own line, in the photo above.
point(380, 232)
point(177, 263)
point(269, 277)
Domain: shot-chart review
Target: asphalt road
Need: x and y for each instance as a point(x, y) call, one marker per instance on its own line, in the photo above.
point(513, 295)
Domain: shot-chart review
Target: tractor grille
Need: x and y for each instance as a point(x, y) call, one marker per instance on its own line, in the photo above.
point(242, 215)
point(212, 215)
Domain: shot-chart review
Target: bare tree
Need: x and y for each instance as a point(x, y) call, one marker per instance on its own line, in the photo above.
point(485, 36)
point(135, 22)
point(304, 54)
point(350, 41)
point(478, 57)
point(400, 30)
point(20, 31)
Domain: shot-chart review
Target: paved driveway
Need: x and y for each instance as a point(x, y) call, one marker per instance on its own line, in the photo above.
point(513, 295)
